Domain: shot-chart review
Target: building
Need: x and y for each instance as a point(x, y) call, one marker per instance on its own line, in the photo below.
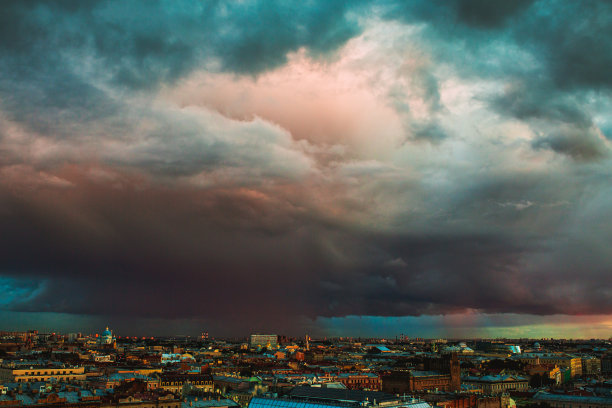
point(107, 338)
point(175, 382)
point(102, 358)
point(561, 360)
point(316, 397)
point(195, 402)
point(175, 358)
point(461, 348)
point(41, 373)
point(591, 366)
point(415, 381)
point(498, 384)
point(606, 364)
point(443, 374)
point(116, 379)
point(264, 340)
point(551, 372)
point(572, 401)
point(455, 400)
point(361, 381)
point(73, 400)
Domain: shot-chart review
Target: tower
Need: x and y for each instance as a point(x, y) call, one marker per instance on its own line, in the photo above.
point(455, 373)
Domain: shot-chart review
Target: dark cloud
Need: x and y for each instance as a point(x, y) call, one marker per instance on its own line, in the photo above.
point(487, 14)
point(140, 44)
point(571, 37)
point(138, 250)
point(264, 32)
point(77, 62)
point(568, 37)
point(553, 53)
point(563, 119)
point(113, 203)
point(429, 131)
point(167, 254)
point(538, 101)
point(43, 40)
point(478, 14)
point(579, 144)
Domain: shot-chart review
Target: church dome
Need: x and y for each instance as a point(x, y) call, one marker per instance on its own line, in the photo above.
point(106, 337)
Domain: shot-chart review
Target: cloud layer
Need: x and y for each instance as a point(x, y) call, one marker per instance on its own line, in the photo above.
point(257, 165)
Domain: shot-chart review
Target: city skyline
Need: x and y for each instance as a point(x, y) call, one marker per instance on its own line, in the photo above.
point(346, 327)
point(435, 168)
point(281, 338)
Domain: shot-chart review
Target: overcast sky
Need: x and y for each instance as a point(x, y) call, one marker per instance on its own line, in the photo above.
point(432, 168)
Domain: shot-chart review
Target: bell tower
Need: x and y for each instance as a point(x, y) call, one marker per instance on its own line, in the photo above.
point(455, 373)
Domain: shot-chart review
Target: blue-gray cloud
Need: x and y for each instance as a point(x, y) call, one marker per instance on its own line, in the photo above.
point(106, 192)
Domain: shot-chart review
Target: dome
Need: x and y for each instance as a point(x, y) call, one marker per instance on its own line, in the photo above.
point(106, 337)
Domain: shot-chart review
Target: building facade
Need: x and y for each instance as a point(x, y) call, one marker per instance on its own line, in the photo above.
point(264, 340)
point(444, 375)
point(176, 382)
point(40, 373)
point(498, 384)
point(572, 401)
point(360, 381)
point(561, 360)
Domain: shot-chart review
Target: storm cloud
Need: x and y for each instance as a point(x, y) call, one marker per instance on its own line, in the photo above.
point(282, 165)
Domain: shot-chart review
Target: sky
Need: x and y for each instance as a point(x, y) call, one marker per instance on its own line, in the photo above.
point(434, 168)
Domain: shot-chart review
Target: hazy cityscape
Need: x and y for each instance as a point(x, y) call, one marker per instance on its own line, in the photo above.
point(262, 370)
point(306, 203)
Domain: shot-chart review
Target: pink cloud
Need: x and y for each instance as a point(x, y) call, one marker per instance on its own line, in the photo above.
point(323, 103)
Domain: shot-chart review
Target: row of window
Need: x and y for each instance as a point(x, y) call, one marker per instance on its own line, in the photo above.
point(58, 372)
point(181, 383)
point(35, 379)
point(509, 386)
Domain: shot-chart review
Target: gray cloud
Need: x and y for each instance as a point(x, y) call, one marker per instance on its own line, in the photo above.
point(101, 242)
point(579, 144)
point(108, 193)
point(538, 101)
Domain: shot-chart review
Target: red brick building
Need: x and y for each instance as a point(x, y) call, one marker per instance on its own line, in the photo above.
point(447, 377)
point(360, 381)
